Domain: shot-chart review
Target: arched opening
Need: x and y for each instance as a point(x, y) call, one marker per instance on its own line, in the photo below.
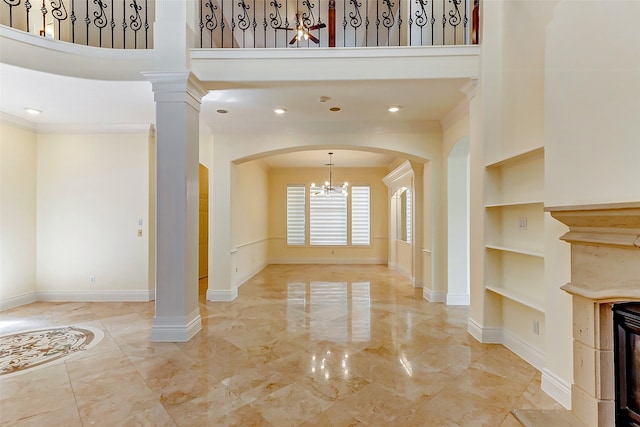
point(256, 241)
point(458, 278)
point(405, 221)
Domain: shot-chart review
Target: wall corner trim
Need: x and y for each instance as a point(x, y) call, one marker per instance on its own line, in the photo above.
point(96, 296)
point(434, 296)
point(458, 299)
point(217, 295)
point(483, 334)
point(529, 353)
point(17, 301)
point(556, 387)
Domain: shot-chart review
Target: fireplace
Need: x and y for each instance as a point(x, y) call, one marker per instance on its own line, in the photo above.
point(605, 272)
point(626, 323)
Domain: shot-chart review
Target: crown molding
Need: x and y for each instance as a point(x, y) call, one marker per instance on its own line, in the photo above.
point(93, 128)
point(18, 122)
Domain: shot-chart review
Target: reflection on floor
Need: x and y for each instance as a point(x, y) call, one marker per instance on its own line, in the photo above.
point(301, 345)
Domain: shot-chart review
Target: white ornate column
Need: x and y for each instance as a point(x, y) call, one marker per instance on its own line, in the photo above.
point(178, 96)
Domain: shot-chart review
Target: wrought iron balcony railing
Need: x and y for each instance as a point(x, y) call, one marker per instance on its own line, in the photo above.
point(121, 24)
point(127, 24)
point(329, 23)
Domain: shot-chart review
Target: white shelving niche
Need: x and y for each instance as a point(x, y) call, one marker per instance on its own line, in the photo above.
point(514, 247)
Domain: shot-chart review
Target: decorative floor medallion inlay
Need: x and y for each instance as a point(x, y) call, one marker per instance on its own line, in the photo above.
point(35, 349)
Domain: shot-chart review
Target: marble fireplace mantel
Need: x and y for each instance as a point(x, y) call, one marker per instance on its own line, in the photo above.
point(605, 268)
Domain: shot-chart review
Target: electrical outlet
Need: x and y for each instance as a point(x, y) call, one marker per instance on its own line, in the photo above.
point(522, 223)
point(536, 327)
point(92, 280)
point(139, 232)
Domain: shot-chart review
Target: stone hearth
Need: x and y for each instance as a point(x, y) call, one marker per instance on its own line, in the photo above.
point(605, 269)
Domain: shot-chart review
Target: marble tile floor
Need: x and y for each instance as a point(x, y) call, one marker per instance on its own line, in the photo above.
point(300, 346)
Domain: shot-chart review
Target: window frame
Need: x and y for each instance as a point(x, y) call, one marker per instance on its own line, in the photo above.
point(349, 219)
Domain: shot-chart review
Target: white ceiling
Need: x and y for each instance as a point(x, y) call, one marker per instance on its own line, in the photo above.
point(68, 102)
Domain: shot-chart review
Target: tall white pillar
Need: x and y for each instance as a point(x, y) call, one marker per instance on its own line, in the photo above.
point(222, 285)
point(178, 96)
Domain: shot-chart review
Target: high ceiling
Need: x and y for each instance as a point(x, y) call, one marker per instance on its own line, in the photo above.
point(68, 103)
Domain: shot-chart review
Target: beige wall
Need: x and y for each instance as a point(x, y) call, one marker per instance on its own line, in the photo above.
point(92, 191)
point(591, 113)
point(455, 128)
point(592, 103)
point(279, 252)
point(404, 258)
point(17, 215)
point(520, 105)
point(249, 213)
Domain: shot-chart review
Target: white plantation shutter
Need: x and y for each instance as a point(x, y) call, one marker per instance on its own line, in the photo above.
point(295, 214)
point(328, 220)
point(360, 215)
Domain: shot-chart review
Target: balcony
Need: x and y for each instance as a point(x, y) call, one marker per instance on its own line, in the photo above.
point(128, 24)
point(119, 24)
point(336, 23)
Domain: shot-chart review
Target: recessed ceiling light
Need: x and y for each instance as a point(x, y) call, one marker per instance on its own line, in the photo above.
point(334, 109)
point(221, 111)
point(279, 111)
point(394, 109)
point(33, 111)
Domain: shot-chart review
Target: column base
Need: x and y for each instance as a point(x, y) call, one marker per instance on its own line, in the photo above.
point(176, 328)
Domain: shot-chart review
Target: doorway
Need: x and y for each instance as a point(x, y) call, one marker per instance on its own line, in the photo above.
point(203, 221)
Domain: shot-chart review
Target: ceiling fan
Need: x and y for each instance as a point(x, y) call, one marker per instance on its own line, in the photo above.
point(302, 31)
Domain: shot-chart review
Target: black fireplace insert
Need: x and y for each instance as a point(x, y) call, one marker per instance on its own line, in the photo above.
point(626, 323)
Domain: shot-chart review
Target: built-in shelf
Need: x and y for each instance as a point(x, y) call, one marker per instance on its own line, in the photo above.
point(516, 158)
point(515, 203)
point(514, 241)
point(516, 297)
point(515, 251)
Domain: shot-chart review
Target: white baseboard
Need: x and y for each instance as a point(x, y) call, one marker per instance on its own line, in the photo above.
point(434, 296)
point(483, 334)
point(222, 295)
point(176, 329)
point(551, 384)
point(17, 301)
point(242, 279)
point(330, 260)
point(474, 329)
point(417, 283)
point(458, 299)
point(556, 387)
point(526, 351)
point(96, 296)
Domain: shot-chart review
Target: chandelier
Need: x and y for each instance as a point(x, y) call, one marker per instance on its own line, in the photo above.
point(328, 189)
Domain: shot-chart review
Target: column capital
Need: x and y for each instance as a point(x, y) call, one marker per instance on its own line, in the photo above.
point(176, 86)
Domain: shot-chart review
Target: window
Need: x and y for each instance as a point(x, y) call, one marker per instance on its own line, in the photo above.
point(360, 214)
point(328, 221)
point(296, 214)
